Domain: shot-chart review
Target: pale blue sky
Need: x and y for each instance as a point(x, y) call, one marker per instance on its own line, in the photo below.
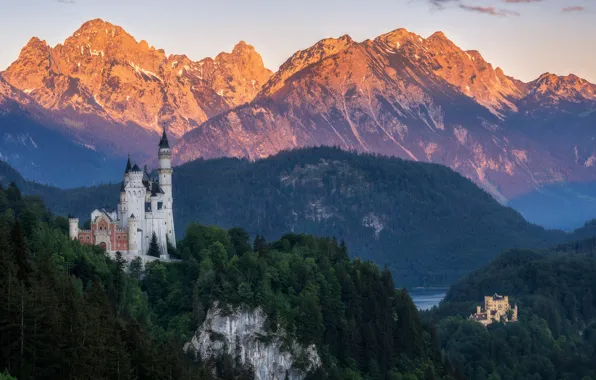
point(535, 37)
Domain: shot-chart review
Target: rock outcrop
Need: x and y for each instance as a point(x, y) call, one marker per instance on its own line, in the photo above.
point(242, 335)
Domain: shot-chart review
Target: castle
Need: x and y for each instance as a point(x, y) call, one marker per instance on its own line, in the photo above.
point(145, 208)
point(496, 309)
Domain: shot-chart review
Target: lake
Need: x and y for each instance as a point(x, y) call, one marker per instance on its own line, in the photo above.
point(426, 298)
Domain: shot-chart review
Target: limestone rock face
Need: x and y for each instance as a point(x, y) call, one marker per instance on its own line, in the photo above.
point(242, 334)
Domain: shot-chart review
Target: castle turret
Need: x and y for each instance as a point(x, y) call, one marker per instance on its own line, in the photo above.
point(136, 193)
point(132, 235)
point(165, 182)
point(73, 228)
point(122, 209)
point(127, 170)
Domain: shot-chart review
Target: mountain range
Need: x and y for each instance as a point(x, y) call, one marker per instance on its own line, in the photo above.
point(399, 94)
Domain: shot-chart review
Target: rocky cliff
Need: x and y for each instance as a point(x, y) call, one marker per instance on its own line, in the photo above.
point(242, 335)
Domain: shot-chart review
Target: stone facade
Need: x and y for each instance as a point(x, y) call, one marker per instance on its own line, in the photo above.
point(145, 208)
point(496, 309)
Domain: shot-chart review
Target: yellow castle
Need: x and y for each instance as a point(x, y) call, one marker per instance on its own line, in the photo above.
point(496, 309)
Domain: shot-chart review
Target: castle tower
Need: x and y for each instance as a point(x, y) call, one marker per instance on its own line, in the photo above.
point(128, 167)
point(122, 209)
point(165, 181)
point(132, 235)
point(136, 193)
point(73, 228)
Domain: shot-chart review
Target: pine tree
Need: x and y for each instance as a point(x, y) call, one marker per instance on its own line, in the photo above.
point(260, 245)
point(136, 268)
point(153, 247)
point(119, 280)
point(20, 252)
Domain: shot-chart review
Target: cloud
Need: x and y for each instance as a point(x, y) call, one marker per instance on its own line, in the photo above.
point(494, 11)
point(66, 1)
point(441, 3)
point(575, 8)
point(489, 10)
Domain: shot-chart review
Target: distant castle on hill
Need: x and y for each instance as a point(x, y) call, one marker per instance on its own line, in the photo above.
point(496, 309)
point(145, 209)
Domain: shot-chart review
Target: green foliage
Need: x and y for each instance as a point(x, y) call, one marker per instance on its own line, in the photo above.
point(308, 286)
point(555, 336)
point(428, 224)
point(153, 247)
point(69, 312)
point(6, 376)
point(136, 268)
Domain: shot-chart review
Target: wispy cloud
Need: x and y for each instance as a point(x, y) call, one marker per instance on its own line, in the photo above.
point(486, 9)
point(521, 1)
point(66, 1)
point(489, 10)
point(575, 8)
point(441, 3)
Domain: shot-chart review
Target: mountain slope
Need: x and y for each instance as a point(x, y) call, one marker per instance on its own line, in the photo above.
point(102, 77)
point(564, 205)
point(420, 99)
point(399, 94)
point(427, 223)
point(31, 143)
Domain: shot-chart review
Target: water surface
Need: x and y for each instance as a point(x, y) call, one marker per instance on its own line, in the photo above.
point(426, 298)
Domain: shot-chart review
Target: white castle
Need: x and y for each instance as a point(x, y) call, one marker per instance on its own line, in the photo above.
point(145, 208)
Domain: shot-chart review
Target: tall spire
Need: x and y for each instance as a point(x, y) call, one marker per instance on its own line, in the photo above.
point(128, 165)
point(163, 143)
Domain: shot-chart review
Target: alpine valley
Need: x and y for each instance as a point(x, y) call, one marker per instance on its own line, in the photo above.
point(399, 94)
point(426, 223)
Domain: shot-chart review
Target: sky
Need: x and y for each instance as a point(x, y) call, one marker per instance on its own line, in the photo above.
point(524, 37)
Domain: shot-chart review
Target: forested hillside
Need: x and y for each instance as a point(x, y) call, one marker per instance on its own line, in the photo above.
point(555, 337)
point(428, 224)
point(67, 311)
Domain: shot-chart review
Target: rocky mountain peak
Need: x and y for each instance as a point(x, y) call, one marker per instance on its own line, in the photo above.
point(243, 48)
point(35, 45)
point(33, 64)
point(301, 59)
point(440, 39)
point(551, 88)
point(397, 38)
point(129, 81)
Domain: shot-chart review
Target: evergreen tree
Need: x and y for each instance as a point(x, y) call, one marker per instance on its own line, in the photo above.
point(20, 253)
point(172, 251)
point(260, 245)
point(136, 268)
point(154, 247)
